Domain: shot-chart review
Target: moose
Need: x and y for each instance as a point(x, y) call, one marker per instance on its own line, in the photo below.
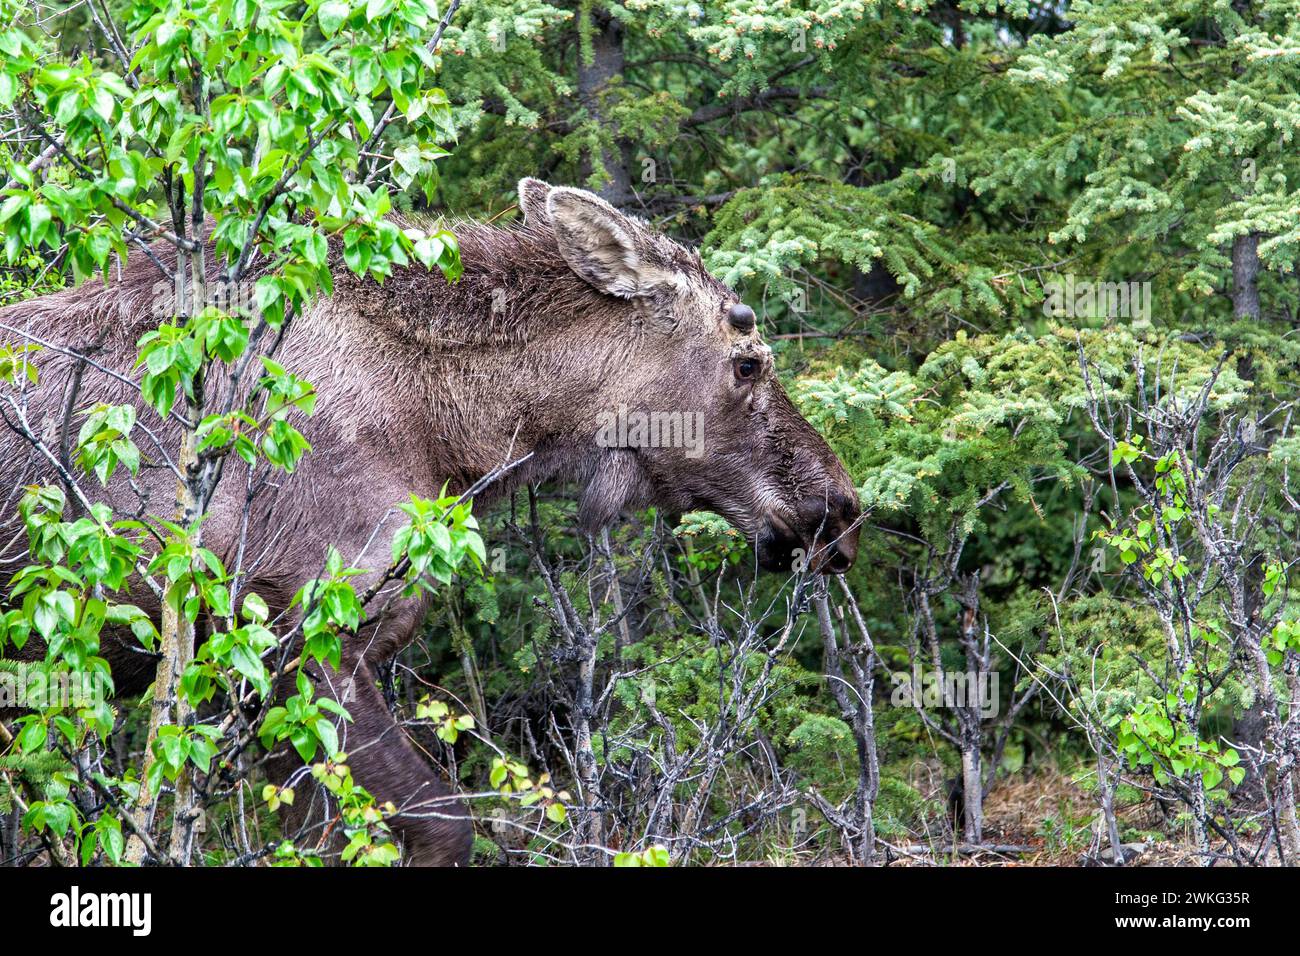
point(572, 313)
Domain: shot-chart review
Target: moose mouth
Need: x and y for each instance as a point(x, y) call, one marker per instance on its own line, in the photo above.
point(824, 549)
point(783, 551)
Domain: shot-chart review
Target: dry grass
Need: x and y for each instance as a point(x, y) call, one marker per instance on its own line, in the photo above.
point(1054, 817)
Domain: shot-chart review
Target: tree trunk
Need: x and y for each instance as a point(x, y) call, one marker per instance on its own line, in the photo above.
point(598, 67)
point(968, 711)
point(1106, 786)
point(170, 706)
point(176, 636)
point(1245, 275)
point(856, 663)
point(585, 755)
point(972, 782)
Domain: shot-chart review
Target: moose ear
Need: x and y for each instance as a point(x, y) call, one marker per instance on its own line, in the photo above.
point(600, 244)
point(532, 201)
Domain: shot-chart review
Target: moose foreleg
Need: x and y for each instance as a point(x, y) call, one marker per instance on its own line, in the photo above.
point(432, 825)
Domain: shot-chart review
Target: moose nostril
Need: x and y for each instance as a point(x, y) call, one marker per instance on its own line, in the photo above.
point(837, 562)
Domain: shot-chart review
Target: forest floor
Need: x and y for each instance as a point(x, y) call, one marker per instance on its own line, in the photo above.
point(1047, 818)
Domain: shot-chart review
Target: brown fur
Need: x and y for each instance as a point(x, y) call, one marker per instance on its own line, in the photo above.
point(576, 312)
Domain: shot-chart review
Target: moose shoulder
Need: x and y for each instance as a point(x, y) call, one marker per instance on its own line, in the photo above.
point(601, 351)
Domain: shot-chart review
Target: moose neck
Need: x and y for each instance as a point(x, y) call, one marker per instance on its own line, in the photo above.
point(513, 360)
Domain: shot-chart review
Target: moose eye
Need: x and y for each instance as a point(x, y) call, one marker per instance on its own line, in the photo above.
point(746, 369)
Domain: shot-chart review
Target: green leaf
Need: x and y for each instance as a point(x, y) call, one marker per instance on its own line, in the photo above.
point(331, 16)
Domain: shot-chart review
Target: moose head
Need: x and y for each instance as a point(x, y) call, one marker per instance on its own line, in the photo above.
point(687, 412)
